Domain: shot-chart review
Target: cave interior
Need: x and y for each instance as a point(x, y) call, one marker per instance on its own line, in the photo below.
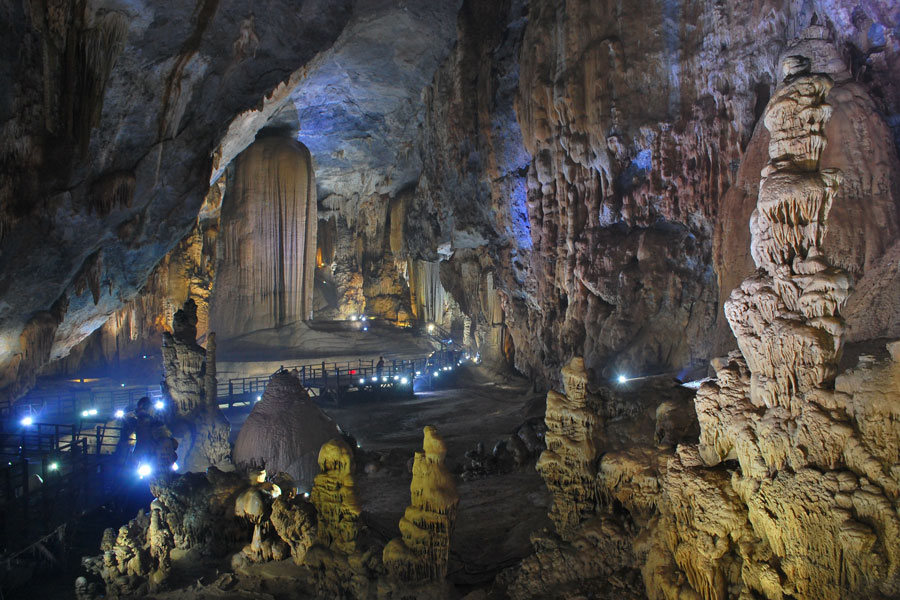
point(445, 299)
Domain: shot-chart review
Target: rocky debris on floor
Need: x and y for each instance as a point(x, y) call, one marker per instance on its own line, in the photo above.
point(513, 452)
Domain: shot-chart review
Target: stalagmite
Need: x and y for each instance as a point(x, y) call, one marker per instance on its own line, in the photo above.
point(268, 231)
point(334, 496)
point(196, 422)
point(420, 555)
point(285, 431)
point(340, 566)
point(567, 465)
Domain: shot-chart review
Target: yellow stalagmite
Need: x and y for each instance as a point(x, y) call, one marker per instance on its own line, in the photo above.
point(567, 465)
point(334, 496)
point(422, 551)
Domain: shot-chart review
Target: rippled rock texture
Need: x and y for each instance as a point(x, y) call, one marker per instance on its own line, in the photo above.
point(613, 154)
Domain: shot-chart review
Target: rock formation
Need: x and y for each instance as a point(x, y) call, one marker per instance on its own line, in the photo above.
point(341, 567)
point(567, 465)
point(421, 554)
point(786, 318)
point(791, 490)
point(190, 385)
point(294, 520)
point(254, 504)
point(268, 234)
point(191, 511)
point(284, 432)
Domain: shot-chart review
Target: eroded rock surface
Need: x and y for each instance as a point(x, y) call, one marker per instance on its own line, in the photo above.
point(789, 493)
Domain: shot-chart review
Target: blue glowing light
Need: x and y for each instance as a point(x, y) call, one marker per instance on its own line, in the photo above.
point(518, 212)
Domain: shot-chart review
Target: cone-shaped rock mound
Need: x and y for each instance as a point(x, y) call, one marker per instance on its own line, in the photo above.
point(285, 431)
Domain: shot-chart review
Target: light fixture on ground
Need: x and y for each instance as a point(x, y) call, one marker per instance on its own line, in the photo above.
point(404, 381)
point(27, 421)
point(54, 466)
point(159, 405)
point(144, 470)
point(174, 466)
point(120, 414)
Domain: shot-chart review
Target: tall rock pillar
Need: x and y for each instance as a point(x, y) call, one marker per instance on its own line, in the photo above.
point(268, 236)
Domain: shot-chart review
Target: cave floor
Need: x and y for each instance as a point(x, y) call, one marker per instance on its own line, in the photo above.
point(496, 514)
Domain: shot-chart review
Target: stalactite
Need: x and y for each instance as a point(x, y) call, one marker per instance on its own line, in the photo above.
point(96, 50)
point(111, 191)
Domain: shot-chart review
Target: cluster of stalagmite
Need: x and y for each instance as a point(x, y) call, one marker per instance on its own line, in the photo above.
point(567, 465)
point(791, 491)
point(421, 553)
point(194, 417)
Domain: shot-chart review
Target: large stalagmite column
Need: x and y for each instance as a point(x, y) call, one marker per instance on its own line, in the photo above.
point(268, 237)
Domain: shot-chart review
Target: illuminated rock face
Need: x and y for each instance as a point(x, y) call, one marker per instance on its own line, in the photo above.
point(810, 512)
point(268, 240)
point(420, 555)
point(194, 417)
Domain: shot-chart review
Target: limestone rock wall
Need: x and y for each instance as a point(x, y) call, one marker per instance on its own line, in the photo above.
point(601, 161)
point(790, 491)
